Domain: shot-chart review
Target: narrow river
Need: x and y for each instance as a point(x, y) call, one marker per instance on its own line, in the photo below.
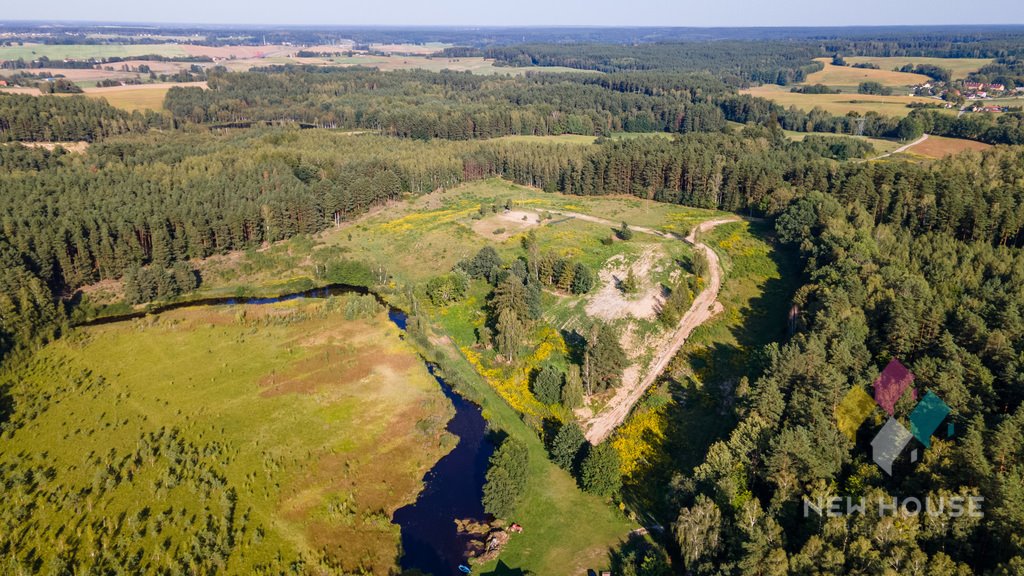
point(452, 489)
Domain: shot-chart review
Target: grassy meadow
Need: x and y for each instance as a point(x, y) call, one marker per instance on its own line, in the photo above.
point(881, 145)
point(940, 147)
point(137, 97)
point(241, 440)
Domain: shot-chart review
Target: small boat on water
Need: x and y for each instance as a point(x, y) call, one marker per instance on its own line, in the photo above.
point(465, 569)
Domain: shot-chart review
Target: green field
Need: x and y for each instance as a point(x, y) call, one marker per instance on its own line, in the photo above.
point(960, 67)
point(229, 439)
point(86, 51)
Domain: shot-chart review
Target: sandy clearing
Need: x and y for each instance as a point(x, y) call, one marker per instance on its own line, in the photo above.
point(74, 147)
point(511, 221)
point(610, 303)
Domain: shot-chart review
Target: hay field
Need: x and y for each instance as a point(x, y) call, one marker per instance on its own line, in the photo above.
point(838, 104)
point(847, 76)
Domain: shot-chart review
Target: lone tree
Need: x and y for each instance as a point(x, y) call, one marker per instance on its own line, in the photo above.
point(624, 233)
point(572, 392)
point(630, 285)
point(583, 279)
point(480, 266)
point(567, 446)
point(511, 295)
point(599, 472)
point(510, 334)
point(506, 478)
point(604, 359)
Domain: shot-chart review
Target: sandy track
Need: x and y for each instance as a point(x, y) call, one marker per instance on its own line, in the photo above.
point(903, 148)
point(704, 306)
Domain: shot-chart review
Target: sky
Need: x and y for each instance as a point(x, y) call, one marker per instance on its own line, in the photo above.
point(526, 12)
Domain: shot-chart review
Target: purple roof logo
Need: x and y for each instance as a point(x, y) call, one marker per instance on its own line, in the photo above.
point(891, 384)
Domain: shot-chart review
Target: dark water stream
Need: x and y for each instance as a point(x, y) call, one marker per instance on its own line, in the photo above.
point(452, 488)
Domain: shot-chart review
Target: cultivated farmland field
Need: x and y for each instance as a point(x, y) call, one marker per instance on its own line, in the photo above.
point(838, 103)
point(960, 67)
point(87, 51)
point(939, 146)
point(228, 439)
point(137, 96)
point(848, 76)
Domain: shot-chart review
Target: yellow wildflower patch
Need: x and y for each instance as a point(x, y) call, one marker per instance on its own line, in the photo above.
point(639, 439)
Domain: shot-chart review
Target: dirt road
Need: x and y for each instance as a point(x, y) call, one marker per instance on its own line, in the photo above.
point(704, 306)
point(902, 148)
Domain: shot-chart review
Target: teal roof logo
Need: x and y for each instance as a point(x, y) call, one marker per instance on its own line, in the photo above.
point(890, 443)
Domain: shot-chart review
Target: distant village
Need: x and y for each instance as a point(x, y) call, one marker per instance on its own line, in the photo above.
point(971, 96)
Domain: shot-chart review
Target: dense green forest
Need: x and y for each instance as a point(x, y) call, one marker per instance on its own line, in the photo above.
point(29, 119)
point(453, 106)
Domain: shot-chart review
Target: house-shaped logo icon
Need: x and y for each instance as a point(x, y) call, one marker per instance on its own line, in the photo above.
point(891, 442)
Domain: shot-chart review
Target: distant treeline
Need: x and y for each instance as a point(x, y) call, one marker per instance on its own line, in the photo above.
point(73, 219)
point(736, 62)
point(456, 106)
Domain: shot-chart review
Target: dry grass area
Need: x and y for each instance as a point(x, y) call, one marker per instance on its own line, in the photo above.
point(506, 224)
point(424, 49)
point(20, 90)
point(845, 76)
point(838, 104)
point(238, 51)
point(137, 96)
point(611, 303)
point(940, 146)
point(960, 67)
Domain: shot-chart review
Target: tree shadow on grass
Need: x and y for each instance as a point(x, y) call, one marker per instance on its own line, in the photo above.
point(6, 404)
point(503, 569)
